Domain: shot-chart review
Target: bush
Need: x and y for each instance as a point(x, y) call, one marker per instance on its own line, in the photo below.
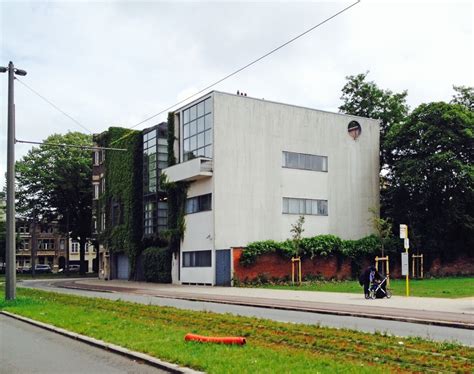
point(157, 265)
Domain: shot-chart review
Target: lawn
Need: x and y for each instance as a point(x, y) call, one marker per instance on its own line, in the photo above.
point(450, 287)
point(272, 347)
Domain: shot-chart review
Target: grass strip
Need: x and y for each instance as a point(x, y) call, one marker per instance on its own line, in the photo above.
point(272, 346)
point(451, 287)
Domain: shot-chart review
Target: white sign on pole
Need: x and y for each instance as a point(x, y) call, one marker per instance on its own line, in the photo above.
point(405, 263)
point(403, 231)
point(406, 243)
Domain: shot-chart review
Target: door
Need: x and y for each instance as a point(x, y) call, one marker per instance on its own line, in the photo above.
point(223, 276)
point(122, 267)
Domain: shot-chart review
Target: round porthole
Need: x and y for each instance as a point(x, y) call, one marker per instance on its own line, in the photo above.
point(354, 129)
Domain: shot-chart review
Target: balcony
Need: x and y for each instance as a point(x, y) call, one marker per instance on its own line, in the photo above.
point(191, 170)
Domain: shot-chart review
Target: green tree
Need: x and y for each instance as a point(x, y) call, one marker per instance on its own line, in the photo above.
point(58, 179)
point(464, 96)
point(383, 228)
point(364, 98)
point(296, 234)
point(431, 180)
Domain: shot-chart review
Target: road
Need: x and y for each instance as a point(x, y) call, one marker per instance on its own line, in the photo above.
point(26, 349)
point(438, 333)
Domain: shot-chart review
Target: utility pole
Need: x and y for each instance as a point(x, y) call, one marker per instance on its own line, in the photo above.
point(34, 242)
point(10, 276)
point(67, 243)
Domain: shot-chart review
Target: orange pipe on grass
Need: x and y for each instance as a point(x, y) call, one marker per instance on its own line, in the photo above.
point(215, 339)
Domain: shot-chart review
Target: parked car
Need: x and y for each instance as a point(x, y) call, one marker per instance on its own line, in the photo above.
point(39, 269)
point(24, 270)
point(72, 269)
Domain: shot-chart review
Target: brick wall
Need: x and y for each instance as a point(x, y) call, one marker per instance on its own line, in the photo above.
point(275, 266)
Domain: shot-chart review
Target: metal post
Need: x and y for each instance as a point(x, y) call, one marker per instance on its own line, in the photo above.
point(10, 278)
point(34, 243)
point(67, 243)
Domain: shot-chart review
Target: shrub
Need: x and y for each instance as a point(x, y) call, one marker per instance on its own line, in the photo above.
point(157, 264)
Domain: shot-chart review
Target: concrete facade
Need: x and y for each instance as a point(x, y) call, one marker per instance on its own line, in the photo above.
point(249, 180)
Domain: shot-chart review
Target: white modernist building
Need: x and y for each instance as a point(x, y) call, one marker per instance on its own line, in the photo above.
point(254, 166)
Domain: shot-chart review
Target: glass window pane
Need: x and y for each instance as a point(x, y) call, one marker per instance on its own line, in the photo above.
point(193, 143)
point(200, 109)
point(301, 206)
point(207, 105)
point(285, 205)
point(293, 206)
point(186, 131)
point(208, 121)
point(314, 206)
point(163, 164)
point(200, 141)
point(162, 157)
point(186, 145)
point(193, 129)
point(308, 209)
point(200, 124)
point(207, 152)
point(323, 207)
point(192, 112)
point(325, 164)
point(186, 116)
point(207, 137)
point(162, 141)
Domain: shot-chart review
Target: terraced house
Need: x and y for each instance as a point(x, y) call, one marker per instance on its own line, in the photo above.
point(253, 166)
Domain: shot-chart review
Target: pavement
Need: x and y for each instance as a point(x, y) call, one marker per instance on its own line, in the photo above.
point(457, 313)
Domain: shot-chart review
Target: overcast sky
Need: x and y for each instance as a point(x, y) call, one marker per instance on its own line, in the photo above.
point(116, 63)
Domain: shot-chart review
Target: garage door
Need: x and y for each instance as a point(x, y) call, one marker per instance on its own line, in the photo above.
point(122, 267)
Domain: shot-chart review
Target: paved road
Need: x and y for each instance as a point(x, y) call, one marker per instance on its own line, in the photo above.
point(26, 349)
point(438, 333)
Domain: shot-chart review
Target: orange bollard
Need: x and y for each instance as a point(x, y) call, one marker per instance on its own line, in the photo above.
point(215, 339)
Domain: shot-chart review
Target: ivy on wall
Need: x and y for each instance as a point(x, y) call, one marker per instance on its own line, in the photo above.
point(124, 191)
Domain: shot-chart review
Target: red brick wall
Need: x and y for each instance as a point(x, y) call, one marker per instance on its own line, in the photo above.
point(275, 266)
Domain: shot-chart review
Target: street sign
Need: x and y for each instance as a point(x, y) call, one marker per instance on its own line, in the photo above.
point(403, 231)
point(405, 263)
point(406, 243)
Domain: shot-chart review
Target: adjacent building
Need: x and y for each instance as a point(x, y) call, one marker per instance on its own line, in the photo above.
point(253, 166)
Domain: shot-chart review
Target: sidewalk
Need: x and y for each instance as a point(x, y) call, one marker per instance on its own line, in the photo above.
point(436, 311)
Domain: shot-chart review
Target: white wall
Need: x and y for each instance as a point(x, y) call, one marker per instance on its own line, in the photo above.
point(249, 181)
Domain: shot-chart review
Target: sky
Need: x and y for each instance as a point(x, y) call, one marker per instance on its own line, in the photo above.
point(116, 63)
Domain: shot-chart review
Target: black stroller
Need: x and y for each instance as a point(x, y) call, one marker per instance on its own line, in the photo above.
point(378, 290)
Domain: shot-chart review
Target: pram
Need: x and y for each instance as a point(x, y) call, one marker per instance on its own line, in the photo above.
point(378, 290)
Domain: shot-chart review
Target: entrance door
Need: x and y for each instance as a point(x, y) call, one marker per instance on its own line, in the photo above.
point(122, 267)
point(223, 276)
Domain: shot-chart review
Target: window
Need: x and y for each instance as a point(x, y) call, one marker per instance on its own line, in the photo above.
point(96, 157)
point(62, 244)
point(102, 221)
point(303, 161)
point(354, 129)
point(305, 206)
point(102, 185)
point(197, 259)
point(197, 130)
point(75, 247)
point(116, 214)
point(24, 245)
point(149, 222)
point(96, 191)
point(199, 203)
point(46, 244)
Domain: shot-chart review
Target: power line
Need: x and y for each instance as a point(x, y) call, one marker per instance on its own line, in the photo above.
point(54, 106)
point(240, 69)
point(62, 145)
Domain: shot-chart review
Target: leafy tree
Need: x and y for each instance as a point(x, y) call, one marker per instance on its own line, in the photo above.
point(382, 226)
point(296, 234)
point(431, 180)
point(58, 179)
point(464, 96)
point(364, 98)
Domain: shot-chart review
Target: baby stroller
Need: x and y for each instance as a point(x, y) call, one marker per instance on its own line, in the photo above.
point(378, 289)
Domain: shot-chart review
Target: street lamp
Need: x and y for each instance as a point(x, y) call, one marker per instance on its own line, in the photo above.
point(10, 274)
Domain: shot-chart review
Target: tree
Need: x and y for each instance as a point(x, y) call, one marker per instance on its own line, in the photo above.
point(382, 226)
point(431, 180)
point(296, 234)
point(464, 96)
point(58, 179)
point(366, 99)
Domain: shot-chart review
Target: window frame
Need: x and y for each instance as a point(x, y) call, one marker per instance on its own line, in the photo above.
point(299, 206)
point(304, 161)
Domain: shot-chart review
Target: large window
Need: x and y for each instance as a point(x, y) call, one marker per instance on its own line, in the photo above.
point(46, 244)
point(197, 130)
point(305, 206)
point(199, 203)
point(155, 158)
point(197, 259)
point(303, 161)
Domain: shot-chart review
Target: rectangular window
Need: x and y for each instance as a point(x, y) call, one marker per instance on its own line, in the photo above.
point(197, 259)
point(303, 161)
point(305, 206)
point(196, 140)
point(96, 191)
point(75, 247)
point(199, 203)
point(96, 157)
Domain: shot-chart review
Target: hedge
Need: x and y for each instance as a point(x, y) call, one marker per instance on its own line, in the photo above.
point(321, 245)
point(157, 265)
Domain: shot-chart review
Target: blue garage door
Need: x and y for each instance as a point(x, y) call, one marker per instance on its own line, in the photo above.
point(122, 267)
point(223, 267)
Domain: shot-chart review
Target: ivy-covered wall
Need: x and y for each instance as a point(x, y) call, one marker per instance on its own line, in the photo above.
point(124, 191)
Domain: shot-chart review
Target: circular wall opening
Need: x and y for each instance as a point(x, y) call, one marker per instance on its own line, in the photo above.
point(354, 129)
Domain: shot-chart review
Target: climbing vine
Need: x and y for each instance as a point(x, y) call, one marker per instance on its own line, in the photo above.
point(123, 193)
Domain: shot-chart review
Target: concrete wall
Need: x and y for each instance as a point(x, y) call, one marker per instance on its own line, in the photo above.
point(249, 181)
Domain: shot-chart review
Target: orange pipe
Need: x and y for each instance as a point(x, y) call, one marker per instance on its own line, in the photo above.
point(215, 339)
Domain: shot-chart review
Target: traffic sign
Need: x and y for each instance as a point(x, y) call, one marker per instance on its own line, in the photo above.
point(403, 231)
point(406, 243)
point(405, 263)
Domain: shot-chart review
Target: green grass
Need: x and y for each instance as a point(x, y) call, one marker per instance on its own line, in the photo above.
point(451, 287)
point(272, 347)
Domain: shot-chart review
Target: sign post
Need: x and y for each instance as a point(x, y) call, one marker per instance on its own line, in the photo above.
point(406, 245)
